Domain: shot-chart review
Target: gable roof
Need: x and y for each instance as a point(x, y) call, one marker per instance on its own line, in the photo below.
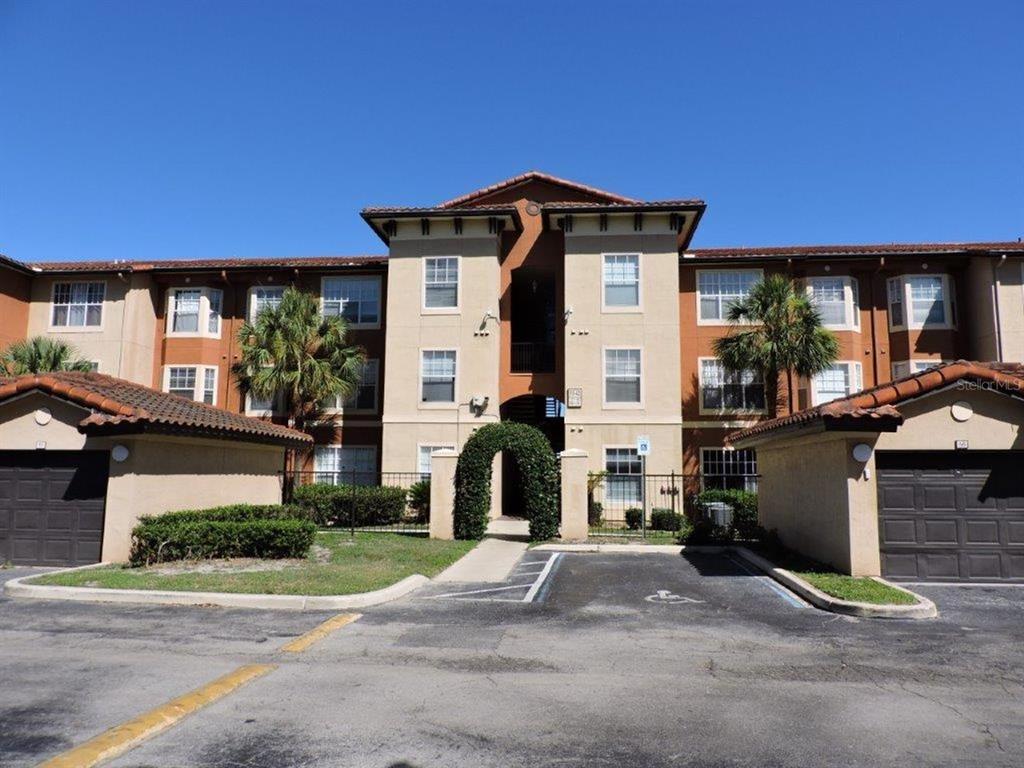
point(875, 409)
point(124, 407)
point(576, 190)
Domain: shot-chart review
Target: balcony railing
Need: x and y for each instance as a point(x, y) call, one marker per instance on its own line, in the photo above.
point(533, 357)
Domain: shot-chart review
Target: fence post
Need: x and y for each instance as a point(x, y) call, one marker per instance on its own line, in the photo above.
point(574, 494)
point(352, 507)
point(643, 497)
point(442, 494)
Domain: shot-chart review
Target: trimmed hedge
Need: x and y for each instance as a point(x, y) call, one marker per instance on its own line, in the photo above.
point(663, 519)
point(419, 501)
point(634, 518)
point(239, 530)
point(538, 469)
point(346, 505)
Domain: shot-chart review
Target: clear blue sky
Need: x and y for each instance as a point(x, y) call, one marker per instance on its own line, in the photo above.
point(203, 129)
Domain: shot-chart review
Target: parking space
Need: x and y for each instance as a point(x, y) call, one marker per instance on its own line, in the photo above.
point(528, 582)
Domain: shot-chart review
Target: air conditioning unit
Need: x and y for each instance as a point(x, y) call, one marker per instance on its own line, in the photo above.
point(719, 513)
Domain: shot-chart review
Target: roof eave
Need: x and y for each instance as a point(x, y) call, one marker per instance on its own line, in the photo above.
point(111, 429)
point(822, 424)
point(375, 217)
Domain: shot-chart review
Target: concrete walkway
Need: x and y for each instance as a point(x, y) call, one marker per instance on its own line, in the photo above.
point(492, 560)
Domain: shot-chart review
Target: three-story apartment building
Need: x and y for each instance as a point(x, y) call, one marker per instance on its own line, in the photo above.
point(540, 300)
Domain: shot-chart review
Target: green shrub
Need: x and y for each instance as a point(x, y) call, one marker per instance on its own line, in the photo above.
point(744, 510)
point(419, 501)
point(346, 505)
point(595, 514)
point(707, 532)
point(538, 470)
point(665, 520)
point(240, 530)
point(634, 518)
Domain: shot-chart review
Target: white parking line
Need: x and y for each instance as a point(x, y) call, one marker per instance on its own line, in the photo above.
point(532, 588)
point(540, 579)
point(774, 586)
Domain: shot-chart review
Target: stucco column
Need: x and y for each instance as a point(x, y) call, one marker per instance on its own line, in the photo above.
point(442, 494)
point(574, 494)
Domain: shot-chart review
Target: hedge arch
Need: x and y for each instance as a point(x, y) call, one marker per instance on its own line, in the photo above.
point(537, 465)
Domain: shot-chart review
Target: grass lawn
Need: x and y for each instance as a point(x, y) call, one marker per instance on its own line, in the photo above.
point(337, 565)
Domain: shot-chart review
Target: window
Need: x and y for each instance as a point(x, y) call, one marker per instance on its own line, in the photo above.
point(441, 282)
point(624, 478)
point(263, 297)
point(722, 390)
point(837, 299)
point(94, 366)
point(365, 396)
point(357, 299)
point(194, 311)
point(260, 405)
point(717, 290)
point(622, 376)
point(345, 464)
point(907, 367)
point(77, 305)
point(921, 301)
point(193, 382)
point(729, 470)
point(622, 280)
point(437, 375)
point(838, 380)
point(425, 452)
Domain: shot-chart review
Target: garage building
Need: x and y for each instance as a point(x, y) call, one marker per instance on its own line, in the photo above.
point(919, 479)
point(83, 455)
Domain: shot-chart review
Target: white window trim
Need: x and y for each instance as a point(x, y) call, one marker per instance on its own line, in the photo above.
point(380, 300)
point(440, 446)
point(908, 320)
point(204, 313)
point(340, 446)
point(250, 305)
point(424, 309)
point(51, 328)
point(923, 363)
point(199, 387)
point(434, 406)
point(857, 375)
point(696, 290)
point(617, 406)
point(700, 453)
point(376, 394)
point(276, 409)
point(852, 310)
point(724, 411)
point(616, 309)
point(604, 468)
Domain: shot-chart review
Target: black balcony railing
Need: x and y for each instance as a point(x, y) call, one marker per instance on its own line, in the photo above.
point(533, 357)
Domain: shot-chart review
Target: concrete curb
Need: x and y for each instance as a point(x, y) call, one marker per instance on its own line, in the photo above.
point(924, 609)
point(632, 549)
point(18, 588)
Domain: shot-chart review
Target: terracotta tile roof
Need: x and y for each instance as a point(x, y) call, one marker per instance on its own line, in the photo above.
point(120, 406)
point(13, 263)
point(407, 210)
point(881, 249)
point(632, 206)
point(269, 262)
point(873, 408)
point(529, 176)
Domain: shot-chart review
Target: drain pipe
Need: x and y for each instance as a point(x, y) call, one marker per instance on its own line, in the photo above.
point(995, 306)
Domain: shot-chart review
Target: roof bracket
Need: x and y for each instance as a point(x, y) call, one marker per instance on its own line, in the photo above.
point(603, 222)
point(424, 226)
point(676, 222)
point(457, 224)
point(390, 227)
point(638, 222)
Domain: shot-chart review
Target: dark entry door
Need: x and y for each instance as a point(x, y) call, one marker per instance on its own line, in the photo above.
point(52, 506)
point(951, 515)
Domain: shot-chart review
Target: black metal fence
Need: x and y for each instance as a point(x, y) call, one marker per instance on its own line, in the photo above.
point(395, 502)
point(638, 505)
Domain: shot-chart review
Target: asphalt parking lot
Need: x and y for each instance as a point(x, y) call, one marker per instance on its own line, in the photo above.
point(619, 660)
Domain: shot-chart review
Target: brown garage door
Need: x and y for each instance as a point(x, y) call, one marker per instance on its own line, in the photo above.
point(951, 515)
point(51, 506)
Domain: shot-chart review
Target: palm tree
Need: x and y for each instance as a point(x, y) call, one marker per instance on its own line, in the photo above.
point(777, 328)
point(41, 354)
point(293, 351)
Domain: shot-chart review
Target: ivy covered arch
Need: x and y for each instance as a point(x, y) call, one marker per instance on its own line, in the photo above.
point(537, 466)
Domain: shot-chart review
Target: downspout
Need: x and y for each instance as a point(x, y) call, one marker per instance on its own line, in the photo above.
point(995, 306)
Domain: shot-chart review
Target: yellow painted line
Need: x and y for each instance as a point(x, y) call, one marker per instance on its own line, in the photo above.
point(302, 642)
point(126, 736)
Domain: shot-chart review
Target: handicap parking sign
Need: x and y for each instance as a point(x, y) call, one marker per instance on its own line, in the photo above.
point(643, 445)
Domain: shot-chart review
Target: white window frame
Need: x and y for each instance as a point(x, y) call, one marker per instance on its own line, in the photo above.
point(604, 465)
point(434, 448)
point(437, 405)
point(706, 411)
point(251, 302)
point(721, 319)
point(205, 313)
point(458, 287)
point(341, 310)
point(855, 374)
point(902, 368)
point(904, 291)
point(611, 405)
point(618, 308)
point(703, 473)
point(342, 477)
point(339, 404)
point(851, 301)
point(67, 328)
point(95, 366)
point(199, 387)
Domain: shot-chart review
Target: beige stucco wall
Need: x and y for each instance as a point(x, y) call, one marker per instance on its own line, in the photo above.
point(124, 343)
point(653, 328)
point(825, 504)
point(989, 279)
point(161, 473)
